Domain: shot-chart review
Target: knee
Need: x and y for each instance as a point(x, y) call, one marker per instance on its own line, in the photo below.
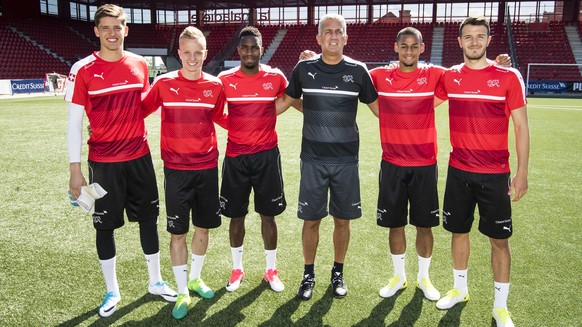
point(500, 244)
point(199, 231)
point(177, 238)
point(424, 231)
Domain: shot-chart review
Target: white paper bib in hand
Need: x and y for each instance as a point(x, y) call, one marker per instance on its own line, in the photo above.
point(89, 194)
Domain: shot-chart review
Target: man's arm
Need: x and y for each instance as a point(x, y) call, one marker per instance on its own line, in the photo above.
point(283, 103)
point(374, 107)
point(519, 186)
point(74, 141)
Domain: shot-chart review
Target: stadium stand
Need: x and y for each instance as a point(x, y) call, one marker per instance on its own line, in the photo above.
point(33, 47)
point(556, 50)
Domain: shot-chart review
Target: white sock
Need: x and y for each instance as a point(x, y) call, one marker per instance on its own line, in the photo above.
point(237, 257)
point(398, 260)
point(181, 274)
point(501, 293)
point(423, 265)
point(196, 266)
point(461, 280)
point(108, 268)
point(271, 257)
point(153, 261)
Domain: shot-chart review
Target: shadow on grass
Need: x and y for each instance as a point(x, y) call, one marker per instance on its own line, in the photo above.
point(379, 313)
point(119, 313)
point(282, 316)
point(453, 316)
point(411, 312)
point(229, 316)
point(319, 309)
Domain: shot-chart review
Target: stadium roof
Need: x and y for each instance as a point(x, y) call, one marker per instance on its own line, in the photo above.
point(231, 4)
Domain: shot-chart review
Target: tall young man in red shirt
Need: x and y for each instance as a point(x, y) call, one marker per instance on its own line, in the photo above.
point(482, 98)
point(252, 157)
point(107, 86)
point(190, 102)
point(408, 174)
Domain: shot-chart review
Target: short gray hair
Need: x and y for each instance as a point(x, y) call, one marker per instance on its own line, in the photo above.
point(337, 17)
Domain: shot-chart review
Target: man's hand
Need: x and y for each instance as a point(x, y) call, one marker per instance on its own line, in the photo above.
point(307, 54)
point(89, 130)
point(518, 187)
point(503, 60)
point(77, 180)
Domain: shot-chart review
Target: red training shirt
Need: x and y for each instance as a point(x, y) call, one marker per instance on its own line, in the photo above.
point(480, 104)
point(252, 114)
point(111, 94)
point(407, 125)
point(189, 108)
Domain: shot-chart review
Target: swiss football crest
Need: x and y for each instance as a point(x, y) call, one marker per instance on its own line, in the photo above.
point(207, 93)
point(268, 86)
point(493, 83)
point(422, 81)
point(134, 71)
point(348, 78)
point(72, 77)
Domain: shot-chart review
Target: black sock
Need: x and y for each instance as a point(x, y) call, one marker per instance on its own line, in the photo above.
point(337, 267)
point(309, 270)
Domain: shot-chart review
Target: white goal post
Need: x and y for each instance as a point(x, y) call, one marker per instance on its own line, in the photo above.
point(557, 79)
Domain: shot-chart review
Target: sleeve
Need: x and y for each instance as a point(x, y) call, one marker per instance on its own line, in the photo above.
point(74, 132)
point(516, 92)
point(283, 83)
point(218, 114)
point(368, 93)
point(151, 100)
point(440, 90)
point(146, 82)
point(77, 91)
point(294, 88)
point(374, 76)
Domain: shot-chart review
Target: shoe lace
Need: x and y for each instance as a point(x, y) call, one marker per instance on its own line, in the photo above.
point(162, 285)
point(236, 273)
point(272, 274)
point(182, 297)
point(453, 293)
point(503, 314)
point(108, 297)
point(337, 278)
point(308, 280)
point(393, 281)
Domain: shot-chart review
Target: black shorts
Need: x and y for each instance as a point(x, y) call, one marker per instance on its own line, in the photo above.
point(343, 184)
point(130, 185)
point(260, 172)
point(464, 190)
point(193, 191)
point(401, 185)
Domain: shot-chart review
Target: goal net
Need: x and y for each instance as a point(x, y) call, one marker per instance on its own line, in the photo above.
point(554, 79)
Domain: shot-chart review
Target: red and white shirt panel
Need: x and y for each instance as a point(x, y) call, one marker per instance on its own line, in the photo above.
point(251, 109)
point(480, 104)
point(189, 110)
point(111, 94)
point(407, 125)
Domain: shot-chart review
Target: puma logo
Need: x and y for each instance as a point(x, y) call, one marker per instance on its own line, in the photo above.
point(389, 80)
point(100, 76)
point(233, 85)
point(174, 90)
point(312, 74)
point(507, 228)
point(458, 81)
